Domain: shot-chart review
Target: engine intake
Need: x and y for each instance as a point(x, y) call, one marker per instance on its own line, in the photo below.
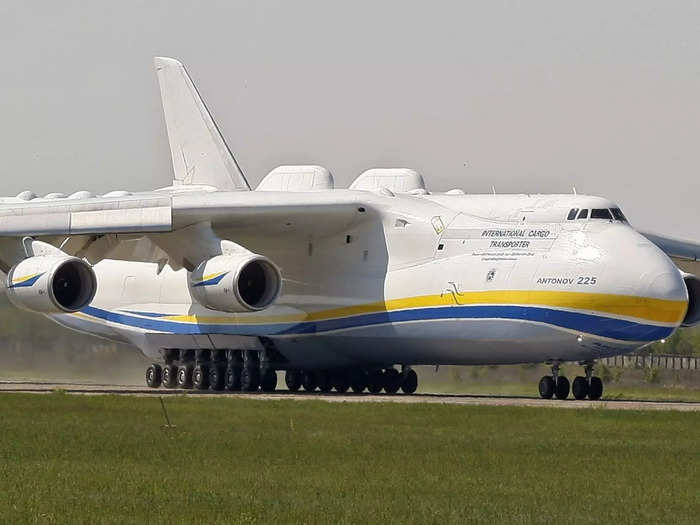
point(236, 283)
point(51, 284)
point(692, 316)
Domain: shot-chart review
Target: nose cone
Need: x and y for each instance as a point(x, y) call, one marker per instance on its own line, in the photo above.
point(642, 277)
point(638, 267)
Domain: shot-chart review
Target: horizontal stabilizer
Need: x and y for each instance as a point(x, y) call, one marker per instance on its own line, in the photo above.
point(200, 154)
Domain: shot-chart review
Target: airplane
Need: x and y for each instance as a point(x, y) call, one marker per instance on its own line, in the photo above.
point(341, 289)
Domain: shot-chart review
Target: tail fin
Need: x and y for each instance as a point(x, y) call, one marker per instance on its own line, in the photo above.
point(200, 154)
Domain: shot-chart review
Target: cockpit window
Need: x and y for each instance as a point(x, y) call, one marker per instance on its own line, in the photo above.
point(601, 213)
point(619, 216)
point(572, 214)
point(583, 214)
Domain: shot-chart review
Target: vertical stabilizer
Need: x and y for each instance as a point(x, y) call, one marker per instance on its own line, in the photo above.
point(200, 154)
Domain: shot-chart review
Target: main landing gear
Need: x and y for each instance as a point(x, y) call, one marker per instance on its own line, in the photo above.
point(558, 386)
point(243, 371)
point(217, 370)
point(389, 380)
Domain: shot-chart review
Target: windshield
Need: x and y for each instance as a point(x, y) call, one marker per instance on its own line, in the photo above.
point(619, 216)
point(601, 213)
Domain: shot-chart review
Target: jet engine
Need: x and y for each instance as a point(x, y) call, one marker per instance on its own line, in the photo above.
point(244, 282)
point(692, 283)
point(51, 284)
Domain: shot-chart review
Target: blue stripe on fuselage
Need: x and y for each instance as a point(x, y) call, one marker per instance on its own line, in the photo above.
point(582, 322)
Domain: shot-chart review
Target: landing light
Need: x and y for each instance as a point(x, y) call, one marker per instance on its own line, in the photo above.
point(580, 338)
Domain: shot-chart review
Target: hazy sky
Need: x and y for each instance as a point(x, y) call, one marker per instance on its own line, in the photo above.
point(525, 96)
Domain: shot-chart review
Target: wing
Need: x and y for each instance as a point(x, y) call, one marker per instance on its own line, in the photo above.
point(685, 254)
point(85, 213)
point(182, 225)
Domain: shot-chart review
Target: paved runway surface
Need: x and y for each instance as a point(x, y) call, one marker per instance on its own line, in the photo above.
point(451, 399)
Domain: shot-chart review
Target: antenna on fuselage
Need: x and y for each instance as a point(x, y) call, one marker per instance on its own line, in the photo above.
point(493, 189)
point(573, 188)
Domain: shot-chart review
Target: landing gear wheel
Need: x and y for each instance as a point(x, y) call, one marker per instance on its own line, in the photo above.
point(250, 379)
point(268, 380)
point(169, 376)
point(561, 391)
point(184, 376)
point(546, 387)
point(308, 380)
point(292, 379)
point(579, 388)
point(392, 380)
point(200, 377)
point(595, 389)
point(323, 380)
point(410, 382)
point(233, 378)
point(217, 377)
point(154, 376)
point(375, 381)
point(341, 381)
point(358, 380)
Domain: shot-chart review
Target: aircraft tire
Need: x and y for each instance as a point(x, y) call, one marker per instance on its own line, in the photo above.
point(292, 378)
point(546, 387)
point(154, 375)
point(392, 380)
point(232, 381)
point(375, 381)
point(410, 382)
point(323, 380)
point(579, 388)
point(200, 377)
point(184, 376)
point(268, 380)
point(561, 390)
point(169, 376)
point(341, 381)
point(595, 389)
point(250, 378)
point(217, 377)
point(358, 380)
point(308, 380)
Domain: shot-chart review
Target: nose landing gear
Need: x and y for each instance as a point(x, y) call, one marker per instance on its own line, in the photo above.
point(590, 386)
point(554, 385)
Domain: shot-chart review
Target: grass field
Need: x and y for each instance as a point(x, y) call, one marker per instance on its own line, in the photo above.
point(77, 459)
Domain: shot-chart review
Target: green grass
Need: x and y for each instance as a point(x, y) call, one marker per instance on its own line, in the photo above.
point(76, 459)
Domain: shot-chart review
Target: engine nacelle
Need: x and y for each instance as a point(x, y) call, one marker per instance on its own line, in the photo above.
point(692, 283)
point(244, 282)
point(51, 284)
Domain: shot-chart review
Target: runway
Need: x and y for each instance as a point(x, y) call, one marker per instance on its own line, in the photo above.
point(45, 387)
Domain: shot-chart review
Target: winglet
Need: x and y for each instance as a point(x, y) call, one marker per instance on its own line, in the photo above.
point(200, 154)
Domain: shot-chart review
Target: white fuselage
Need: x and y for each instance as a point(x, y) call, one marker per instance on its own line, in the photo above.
point(429, 279)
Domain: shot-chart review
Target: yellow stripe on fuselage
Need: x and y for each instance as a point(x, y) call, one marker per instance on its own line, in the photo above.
point(642, 308)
